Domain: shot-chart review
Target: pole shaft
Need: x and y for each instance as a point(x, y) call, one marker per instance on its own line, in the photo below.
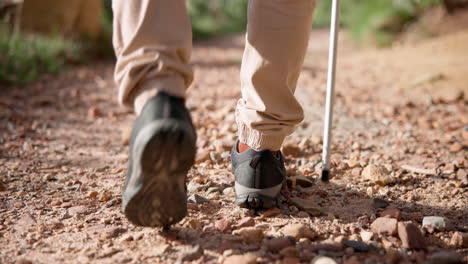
point(327, 130)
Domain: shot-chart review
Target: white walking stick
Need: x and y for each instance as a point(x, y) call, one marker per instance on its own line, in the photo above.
point(327, 130)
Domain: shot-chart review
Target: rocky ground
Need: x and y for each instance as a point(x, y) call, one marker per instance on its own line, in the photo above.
point(399, 192)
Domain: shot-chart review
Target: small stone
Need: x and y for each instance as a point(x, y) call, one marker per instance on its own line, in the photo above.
point(357, 245)
point(379, 203)
point(377, 174)
point(410, 236)
point(213, 190)
point(391, 213)
point(93, 112)
point(249, 233)
point(78, 211)
point(456, 147)
point(462, 177)
point(246, 222)
point(248, 258)
point(126, 135)
point(384, 226)
point(23, 261)
point(243, 212)
point(105, 196)
point(191, 254)
point(92, 194)
point(277, 244)
point(446, 258)
point(436, 222)
point(113, 232)
point(193, 224)
point(459, 239)
point(298, 231)
point(323, 260)
point(366, 236)
point(229, 191)
point(308, 205)
point(2, 187)
point(271, 212)
point(197, 199)
point(223, 225)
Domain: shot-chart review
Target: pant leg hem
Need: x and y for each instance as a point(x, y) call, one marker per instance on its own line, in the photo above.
point(258, 140)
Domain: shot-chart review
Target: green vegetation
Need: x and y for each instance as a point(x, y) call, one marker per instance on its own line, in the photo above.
point(24, 57)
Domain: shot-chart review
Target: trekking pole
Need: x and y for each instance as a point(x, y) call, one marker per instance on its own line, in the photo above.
point(327, 130)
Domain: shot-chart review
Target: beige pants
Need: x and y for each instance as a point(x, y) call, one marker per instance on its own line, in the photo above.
point(153, 41)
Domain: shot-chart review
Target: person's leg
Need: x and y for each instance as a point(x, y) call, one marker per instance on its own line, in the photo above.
point(152, 41)
point(276, 42)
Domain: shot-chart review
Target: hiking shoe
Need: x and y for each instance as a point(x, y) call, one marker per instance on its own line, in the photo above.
point(259, 177)
point(162, 150)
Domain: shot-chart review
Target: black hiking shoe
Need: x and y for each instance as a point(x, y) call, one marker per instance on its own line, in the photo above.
point(259, 177)
point(162, 150)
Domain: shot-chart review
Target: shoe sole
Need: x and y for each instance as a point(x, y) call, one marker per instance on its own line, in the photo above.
point(256, 198)
point(162, 154)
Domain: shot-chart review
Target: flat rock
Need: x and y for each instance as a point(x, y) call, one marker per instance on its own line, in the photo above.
point(197, 199)
point(384, 226)
point(298, 231)
point(438, 223)
point(366, 236)
point(246, 222)
point(248, 258)
point(378, 174)
point(411, 236)
point(271, 212)
point(322, 260)
point(113, 232)
point(249, 233)
point(357, 245)
point(79, 210)
point(308, 205)
point(445, 258)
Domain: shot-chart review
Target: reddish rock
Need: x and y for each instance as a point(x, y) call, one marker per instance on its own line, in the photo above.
point(291, 260)
point(299, 231)
point(459, 239)
point(271, 212)
point(246, 222)
point(392, 213)
point(411, 236)
point(385, 226)
point(223, 225)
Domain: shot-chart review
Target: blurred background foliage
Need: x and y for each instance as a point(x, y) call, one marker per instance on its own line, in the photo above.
point(25, 55)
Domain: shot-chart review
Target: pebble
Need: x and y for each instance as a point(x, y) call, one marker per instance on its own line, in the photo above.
point(384, 226)
point(197, 199)
point(298, 231)
point(191, 254)
point(323, 260)
point(223, 225)
point(23, 261)
point(113, 232)
point(229, 191)
point(379, 203)
point(377, 174)
point(105, 196)
point(246, 222)
point(202, 155)
point(391, 213)
point(435, 222)
point(92, 194)
point(248, 258)
point(462, 177)
point(357, 245)
point(308, 205)
point(194, 187)
point(271, 212)
point(193, 224)
point(459, 239)
point(279, 243)
point(2, 187)
point(411, 236)
point(446, 258)
point(366, 236)
point(249, 233)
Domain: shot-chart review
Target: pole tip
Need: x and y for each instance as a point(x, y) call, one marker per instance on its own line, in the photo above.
point(325, 175)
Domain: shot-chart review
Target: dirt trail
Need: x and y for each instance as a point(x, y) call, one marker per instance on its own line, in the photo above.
point(63, 161)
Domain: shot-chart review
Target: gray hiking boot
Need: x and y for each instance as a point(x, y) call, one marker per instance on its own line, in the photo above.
point(259, 177)
point(162, 150)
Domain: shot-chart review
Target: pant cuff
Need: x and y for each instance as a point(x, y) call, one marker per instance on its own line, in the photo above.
point(151, 87)
point(258, 140)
